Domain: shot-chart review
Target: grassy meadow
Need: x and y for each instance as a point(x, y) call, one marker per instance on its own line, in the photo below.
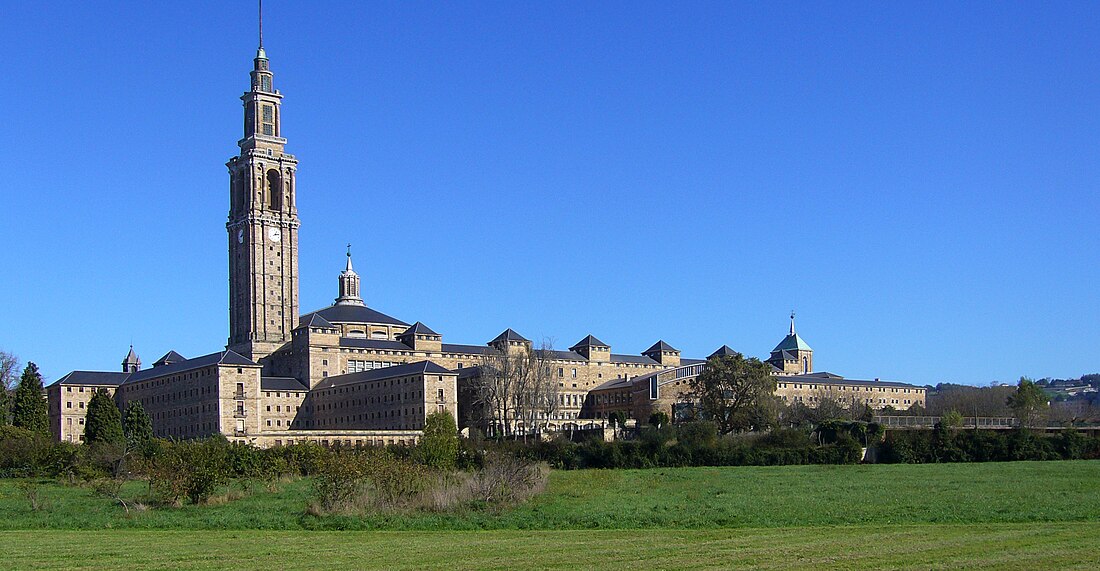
point(998, 515)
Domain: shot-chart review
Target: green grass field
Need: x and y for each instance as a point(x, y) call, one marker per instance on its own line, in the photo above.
point(1024, 515)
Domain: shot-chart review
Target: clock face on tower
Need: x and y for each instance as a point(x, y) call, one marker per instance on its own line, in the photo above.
point(240, 236)
point(274, 235)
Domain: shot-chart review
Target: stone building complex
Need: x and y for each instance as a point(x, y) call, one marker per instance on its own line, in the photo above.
point(350, 374)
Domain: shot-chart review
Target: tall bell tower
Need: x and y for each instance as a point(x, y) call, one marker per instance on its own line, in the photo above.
point(263, 224)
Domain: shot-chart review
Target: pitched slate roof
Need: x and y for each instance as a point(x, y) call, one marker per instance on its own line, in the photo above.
point(281, 384)
point(468, 372)
point(615, 384)
point(419, 328)
point(830, 378)
point(723, 351)
point(684, 361)
point(590, 341)
point(353, 314)
point(169, 358)
point(466, 349)
point(633, 359)
point(219, 358)
point(315, 320)
point(420, 367)
point(105, 378)
point(509, 335)
point(131, 357)
point(560, 355)
point(792, 342)
point(660, 346)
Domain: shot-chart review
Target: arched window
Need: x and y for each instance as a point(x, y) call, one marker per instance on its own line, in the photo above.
point(274, 190)
point(805, 365)
point(240, 193)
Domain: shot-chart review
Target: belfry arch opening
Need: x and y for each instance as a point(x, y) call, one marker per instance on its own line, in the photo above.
point(274, 190)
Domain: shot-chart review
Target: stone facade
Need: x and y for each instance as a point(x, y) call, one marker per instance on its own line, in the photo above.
point(68, 401)
point(666, 391)
point(347, 373)
point(263, 225)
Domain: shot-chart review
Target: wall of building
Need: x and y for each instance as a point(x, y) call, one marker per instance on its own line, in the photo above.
point(396, 403)
point(282, 410)
point(875, 395)
point(182, 404)
point(68, 407)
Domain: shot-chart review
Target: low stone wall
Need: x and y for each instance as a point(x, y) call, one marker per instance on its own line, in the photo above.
point(331, 437)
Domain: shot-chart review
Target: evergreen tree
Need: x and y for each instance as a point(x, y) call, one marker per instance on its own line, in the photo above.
point(29, 409)
point(438, 447)
point(137, 426)
point(103, 423)
point(1029, 402)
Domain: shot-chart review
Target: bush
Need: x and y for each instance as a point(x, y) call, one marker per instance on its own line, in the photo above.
point(697, 434)
point(786, 438)
point(194, 469)
point(658, 419)
point(339, 481)
point(507, 479)
point(21, 452)
point(438, 447)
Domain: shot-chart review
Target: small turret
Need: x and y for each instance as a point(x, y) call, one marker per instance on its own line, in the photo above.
point(349, 285)
point(592, 349)
point(664, 354)
point(792, 356)
point(421, 338)
point(132, 362)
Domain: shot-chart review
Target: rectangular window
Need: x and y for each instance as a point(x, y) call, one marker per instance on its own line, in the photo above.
point(269, 120)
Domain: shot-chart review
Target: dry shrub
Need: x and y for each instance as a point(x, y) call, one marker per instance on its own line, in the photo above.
point(507, 479)
point(397, 483)
point(338, 481)
point(374, 480)
point(32, 491)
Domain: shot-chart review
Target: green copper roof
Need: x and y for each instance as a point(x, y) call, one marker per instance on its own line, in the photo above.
point(792, 342)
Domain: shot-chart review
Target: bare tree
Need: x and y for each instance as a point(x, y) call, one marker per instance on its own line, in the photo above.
point(538, 389)
point(493, 390)
point(9, 375)
point(516, 388)
point(9, 370)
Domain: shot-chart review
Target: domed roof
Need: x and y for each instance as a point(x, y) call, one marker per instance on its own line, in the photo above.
point(353, 314)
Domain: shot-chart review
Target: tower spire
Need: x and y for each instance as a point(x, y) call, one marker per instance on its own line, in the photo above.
point(260, 51)
point(263, 221)
point(349, 285)
point(132, 362)
point(792, 322)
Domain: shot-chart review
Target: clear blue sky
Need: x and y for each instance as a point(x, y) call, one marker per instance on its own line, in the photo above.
point(918, 181)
